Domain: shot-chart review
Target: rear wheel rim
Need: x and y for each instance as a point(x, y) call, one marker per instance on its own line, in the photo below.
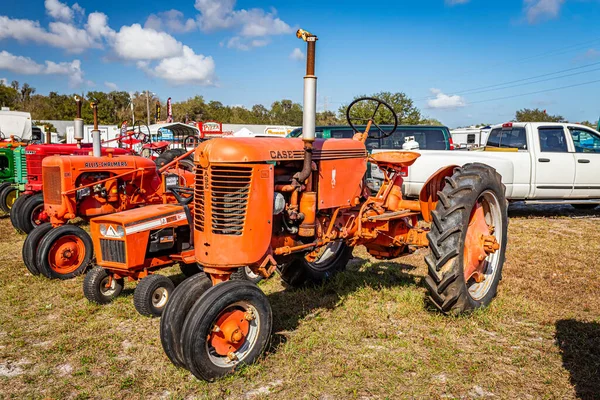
point(248, 328)
point(488, 207)
point(66, 254)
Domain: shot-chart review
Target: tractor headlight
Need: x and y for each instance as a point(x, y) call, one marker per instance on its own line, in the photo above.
point(112, 231)
point(278, 203)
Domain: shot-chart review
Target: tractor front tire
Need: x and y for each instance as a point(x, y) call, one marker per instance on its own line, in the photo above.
point(29, 213)
point(171, 323)
point(469, 189)
point(8, 196)
point(64, 252)
point(17, 210)
point(152, 294)
point(95, 287)
point(300, 272)
point(30, 247)
point(228, 326)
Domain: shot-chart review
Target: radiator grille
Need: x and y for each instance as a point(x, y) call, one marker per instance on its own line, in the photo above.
point(52, 186)
point(199, 199)
point(113, 250)
point(229, 189)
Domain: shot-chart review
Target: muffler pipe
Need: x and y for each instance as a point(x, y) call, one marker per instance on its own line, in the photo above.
point(96, 149)
point(309, 114)
point(78, 123)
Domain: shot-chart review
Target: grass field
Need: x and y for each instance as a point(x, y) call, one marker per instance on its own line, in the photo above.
point(368, 334)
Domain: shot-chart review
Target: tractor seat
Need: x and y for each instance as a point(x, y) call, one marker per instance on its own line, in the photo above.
point(131, 141)
point(394, 159)
point(156, 146)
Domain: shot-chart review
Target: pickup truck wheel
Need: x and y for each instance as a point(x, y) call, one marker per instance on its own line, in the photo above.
point(467, 240)
point(584, 207)
point(331, 260)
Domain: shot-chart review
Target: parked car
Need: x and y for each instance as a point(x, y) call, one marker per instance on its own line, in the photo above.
point(428, 138)
point(540, 162)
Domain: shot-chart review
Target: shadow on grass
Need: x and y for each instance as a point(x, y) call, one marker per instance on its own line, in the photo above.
point(579, 344)
point(292, 305)
point(522, 210)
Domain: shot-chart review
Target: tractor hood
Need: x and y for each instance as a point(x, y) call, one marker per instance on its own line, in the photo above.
point(252, 150)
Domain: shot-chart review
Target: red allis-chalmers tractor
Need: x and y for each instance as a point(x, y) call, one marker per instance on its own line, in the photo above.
point(300, 206)
point(86, 187)
point(27, 211)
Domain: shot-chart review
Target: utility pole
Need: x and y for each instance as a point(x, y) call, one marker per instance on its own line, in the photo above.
point(148, 106)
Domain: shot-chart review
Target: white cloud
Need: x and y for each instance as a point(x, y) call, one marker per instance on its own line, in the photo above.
point(97, 26)
point(111, 85)
point(172, 21)
point(455, 2)
point(255, 22)
point(537, 10)
point(27, 66)
point(297, 55)
point(245, 44)
point(59, 11)
point(188, 68)
point(445, 101)
point(137, 43)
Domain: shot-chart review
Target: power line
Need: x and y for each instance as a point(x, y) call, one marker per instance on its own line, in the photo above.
point(536, 92)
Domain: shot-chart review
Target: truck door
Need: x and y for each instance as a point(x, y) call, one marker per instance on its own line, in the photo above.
point(555, 165)
point(587, 163)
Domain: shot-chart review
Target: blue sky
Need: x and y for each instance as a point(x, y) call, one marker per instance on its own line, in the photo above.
point(244, 52)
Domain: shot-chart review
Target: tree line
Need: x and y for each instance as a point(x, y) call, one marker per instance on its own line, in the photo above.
point(115, 107)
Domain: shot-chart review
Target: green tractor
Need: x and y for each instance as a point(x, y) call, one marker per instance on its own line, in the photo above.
point(13, 174)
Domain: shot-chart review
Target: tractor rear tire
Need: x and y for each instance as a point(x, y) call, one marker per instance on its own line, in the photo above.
point(64, 252)
point(189, 269)
point(8, 195)
point(152, 294)
point(584, 207)
point(29, 213)
point(16, 212)
point(470, 186)
point(31, 245)
point(171, 323)
point(300, 272)
point(166, 157)
point(219, 306)
point(94, 286)
point(246, 274)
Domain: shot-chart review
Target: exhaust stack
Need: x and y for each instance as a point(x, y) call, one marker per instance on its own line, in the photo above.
point(97, 150)
point(309, 114)
point(78, 134)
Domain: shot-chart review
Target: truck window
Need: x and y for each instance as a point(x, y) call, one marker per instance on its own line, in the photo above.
point(508, 138)
point(585, 141)
point(553, 140)
point(428, 139)
point(471, 138)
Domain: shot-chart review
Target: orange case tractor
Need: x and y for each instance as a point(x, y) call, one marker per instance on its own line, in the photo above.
point(86, 187)
point(299, 206)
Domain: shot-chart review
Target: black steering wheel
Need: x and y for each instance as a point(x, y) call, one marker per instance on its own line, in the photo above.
point(191, 142)
point(371, 119)
point(139, 135)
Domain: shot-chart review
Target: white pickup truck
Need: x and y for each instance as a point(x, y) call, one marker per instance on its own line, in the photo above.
point(550, 163)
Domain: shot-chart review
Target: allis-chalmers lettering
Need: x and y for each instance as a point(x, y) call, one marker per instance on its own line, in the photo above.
point(106, 164)
point(282, 154)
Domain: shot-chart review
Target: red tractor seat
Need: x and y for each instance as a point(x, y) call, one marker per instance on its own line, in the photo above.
point(156, 146)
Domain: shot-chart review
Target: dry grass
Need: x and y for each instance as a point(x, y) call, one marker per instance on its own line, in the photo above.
point(367, 334)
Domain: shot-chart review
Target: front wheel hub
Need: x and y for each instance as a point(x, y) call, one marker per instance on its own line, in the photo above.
point(229, 332)
point(479, 244)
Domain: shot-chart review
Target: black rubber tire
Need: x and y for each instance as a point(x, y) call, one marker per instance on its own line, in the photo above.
point(25, 215)
point(4, 184)
point(145, 290)
point(31, 245)
point(300, 272)
point(93, 285)
point(200, 320)
point(245, 274)
point(46, 245)
point(166, 157)
point(584, 207)
point(4, 193)
point(171, 323)
point(445, 281)
point(189, 269)
point(15, 214)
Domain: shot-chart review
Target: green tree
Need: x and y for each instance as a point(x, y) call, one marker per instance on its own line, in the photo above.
point(286, 112)
point(328, 118)
point(408, 113)
point(430, 121)
point(536, 115)
point(9, 97)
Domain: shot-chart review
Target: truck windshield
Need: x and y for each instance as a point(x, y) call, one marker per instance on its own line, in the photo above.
point(508, 138)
